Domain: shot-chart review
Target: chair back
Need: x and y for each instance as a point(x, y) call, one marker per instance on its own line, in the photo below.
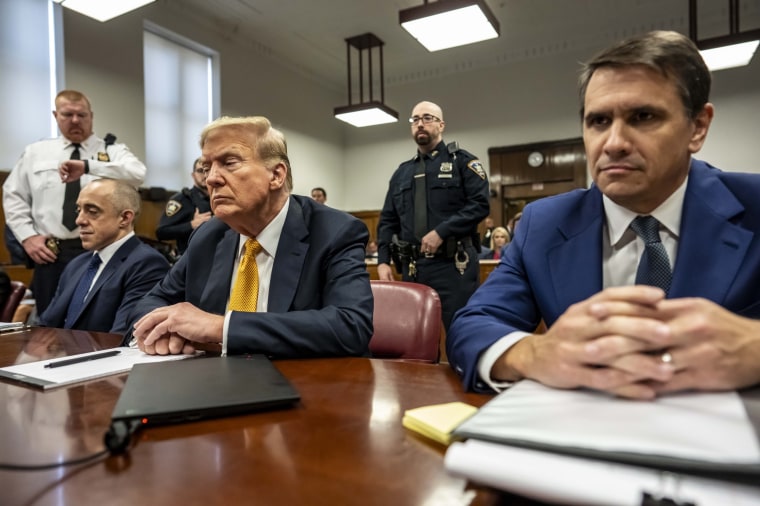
point(407, 321)
point(18, 290)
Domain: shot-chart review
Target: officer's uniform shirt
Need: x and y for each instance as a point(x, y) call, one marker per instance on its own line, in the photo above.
point(457, 198)
point(179, 212)
point(33, 193)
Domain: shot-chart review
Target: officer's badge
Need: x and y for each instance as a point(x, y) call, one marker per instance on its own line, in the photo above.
point(172, 208)
point(446, 167)
point(477, 168)
point(103, 157)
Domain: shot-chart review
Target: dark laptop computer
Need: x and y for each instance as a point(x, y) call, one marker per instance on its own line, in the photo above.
point(204, 387)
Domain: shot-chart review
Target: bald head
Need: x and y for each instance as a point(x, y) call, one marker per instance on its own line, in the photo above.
point(427, 126)
point(426, 107)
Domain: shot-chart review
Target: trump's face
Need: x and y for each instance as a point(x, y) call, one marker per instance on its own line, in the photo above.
point(240, 185)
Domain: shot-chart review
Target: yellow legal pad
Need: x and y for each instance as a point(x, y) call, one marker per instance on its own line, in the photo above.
point(439, 420)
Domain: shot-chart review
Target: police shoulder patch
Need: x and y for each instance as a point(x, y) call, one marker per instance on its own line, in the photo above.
point(477, 168)
point(172, 208)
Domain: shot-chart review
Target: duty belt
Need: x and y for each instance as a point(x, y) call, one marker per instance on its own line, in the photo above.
point(406, 253)
point(57, 245)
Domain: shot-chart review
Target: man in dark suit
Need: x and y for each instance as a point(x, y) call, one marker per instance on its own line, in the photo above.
point(575, 260)
point(310, 295)
point(98, 289)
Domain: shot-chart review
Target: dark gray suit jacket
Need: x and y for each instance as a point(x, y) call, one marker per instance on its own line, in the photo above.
point(320, 300)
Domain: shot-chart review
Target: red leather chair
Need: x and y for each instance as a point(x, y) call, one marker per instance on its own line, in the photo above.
point(407, 321)
point(18, 290)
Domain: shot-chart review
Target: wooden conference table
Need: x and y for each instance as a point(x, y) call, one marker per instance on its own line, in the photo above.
point(342, 444)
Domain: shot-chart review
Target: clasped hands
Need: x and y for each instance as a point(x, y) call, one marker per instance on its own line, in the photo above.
point(632, 342)
point(180, 328)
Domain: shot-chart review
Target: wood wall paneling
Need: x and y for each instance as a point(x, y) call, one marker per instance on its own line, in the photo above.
point(515, 182)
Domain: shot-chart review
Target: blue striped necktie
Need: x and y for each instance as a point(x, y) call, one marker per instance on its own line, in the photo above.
point(654, 266)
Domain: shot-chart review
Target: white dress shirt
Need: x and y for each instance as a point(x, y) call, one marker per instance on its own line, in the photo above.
point(269, 238)
point(33, 193)
point(106, 254)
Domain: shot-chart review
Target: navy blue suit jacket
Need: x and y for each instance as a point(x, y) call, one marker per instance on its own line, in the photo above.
point(555, 260)
point(320, 300)
point(126, 278)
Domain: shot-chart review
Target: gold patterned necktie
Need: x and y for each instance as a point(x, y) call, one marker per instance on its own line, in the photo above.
point(245, 293)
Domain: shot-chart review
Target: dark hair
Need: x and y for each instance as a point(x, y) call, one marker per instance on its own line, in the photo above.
point(319, 189)
point(672, 54)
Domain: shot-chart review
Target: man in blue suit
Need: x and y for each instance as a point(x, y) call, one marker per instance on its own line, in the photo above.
point(573, 262)
point(98, 289)
point(311, 296)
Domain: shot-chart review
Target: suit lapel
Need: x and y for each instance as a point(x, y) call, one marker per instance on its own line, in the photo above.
point(216, 291)
point(290, 256)
point(576, 276)
point(708, 238)
point(109, 270)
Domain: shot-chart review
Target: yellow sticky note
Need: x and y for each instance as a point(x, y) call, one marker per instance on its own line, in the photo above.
point(438, 421)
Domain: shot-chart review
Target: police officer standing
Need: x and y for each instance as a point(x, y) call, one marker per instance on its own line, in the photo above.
point(186, 210)
point(431, 213)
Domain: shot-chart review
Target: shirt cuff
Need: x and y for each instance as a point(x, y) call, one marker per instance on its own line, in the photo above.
point(224, 332)
point(492, 354)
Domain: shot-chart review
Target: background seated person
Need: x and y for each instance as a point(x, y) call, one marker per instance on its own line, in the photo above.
point(100, 298)
point(499, 239)
point(576, 257)
point(370, 253)
point(272, 272)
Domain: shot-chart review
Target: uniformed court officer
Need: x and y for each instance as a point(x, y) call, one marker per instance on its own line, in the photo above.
point(40, 194)
point(186, 210)
point(431, 213)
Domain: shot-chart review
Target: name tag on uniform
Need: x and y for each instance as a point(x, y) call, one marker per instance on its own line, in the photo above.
point(445, 176)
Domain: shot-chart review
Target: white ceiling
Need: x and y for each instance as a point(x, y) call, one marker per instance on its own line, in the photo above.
point(309, 35)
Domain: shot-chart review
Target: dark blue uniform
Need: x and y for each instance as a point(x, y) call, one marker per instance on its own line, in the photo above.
point(179, 212)
point(457, 201)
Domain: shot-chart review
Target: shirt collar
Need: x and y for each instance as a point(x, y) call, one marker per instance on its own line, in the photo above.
point(440, 148)
point(269, 238)
point(86, 144)
point(109, 251)
point(668, 214)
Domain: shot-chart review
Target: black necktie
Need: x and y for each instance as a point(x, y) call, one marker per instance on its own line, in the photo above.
point(654, 266)
point(420, 200)
point(69, 218)
point(80, 293)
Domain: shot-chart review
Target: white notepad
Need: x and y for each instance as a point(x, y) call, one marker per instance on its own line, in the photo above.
point(35, 374)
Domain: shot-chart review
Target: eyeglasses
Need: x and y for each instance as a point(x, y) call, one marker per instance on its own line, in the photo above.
point(425, 118)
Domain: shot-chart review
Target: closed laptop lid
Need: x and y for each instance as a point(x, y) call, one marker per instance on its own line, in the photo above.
point(205, 387)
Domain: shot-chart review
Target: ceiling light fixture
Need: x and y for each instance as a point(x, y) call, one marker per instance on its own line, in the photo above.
point(733, 50)
point(103, 10)
point(449, 23)
point(370, 112)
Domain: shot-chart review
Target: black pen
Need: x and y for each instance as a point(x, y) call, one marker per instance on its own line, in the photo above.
point(85, 358)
